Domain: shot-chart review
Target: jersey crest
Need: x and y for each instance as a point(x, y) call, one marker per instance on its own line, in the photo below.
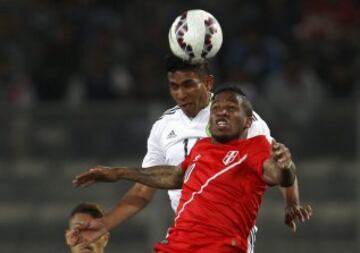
point(230, 157)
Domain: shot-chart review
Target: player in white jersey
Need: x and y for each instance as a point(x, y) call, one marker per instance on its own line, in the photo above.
point(171, 139)
point(174, 134)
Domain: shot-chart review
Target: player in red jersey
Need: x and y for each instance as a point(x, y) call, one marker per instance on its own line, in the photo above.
point(223, 181)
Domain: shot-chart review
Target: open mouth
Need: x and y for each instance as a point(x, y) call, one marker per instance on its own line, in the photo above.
point(221, 123)
point(86, 249)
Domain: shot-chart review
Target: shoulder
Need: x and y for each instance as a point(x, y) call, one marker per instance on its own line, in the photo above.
point(206, 140)
point(259, 143)
point(202, 144)
point(258, 127)
point(169, 112)
point(168, 117)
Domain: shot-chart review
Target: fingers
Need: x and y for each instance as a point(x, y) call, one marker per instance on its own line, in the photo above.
point(292, 226)
point(82, 183)
point(297, 214)
point(82, 226)
point(83, 180)
point(74, 237)
point(307, 212)
point(281, 154)
point(86, 178)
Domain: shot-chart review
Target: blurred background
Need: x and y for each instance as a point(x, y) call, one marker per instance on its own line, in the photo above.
point(82, 81)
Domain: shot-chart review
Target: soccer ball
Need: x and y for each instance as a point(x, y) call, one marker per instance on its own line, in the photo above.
point(195, 35)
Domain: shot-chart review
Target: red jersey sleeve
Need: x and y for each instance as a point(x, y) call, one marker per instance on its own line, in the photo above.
point(185, 163)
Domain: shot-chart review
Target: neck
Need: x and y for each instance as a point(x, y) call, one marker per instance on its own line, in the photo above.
point(225, 139)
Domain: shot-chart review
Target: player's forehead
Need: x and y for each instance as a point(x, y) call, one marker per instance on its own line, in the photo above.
point(79, 218)
point(180, 76)
point(227, 97)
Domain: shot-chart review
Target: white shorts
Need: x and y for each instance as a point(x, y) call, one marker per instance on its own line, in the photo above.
point(252, 239)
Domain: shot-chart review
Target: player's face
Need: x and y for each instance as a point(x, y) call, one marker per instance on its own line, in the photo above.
point(190, 90)
point(228, 119)
point(95, 247)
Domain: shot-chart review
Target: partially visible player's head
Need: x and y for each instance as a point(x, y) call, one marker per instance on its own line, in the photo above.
point(84, 213)
point(230, 115)
point(190, 84)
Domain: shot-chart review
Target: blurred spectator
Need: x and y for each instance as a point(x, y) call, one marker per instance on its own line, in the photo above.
point(280, 16)
point(103, 50)
point(293, 96)
point(255, 53)
point(59, 61)
point(104, 78)
point(240, 77)
point(328, 35)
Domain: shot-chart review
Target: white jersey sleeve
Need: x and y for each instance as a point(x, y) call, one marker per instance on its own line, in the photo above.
point(155, 154)
point(258, 127)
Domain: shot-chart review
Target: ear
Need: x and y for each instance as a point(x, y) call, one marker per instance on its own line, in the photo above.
point(67, 237)
point(105, 238)
point(209, 80)
point(248, 122)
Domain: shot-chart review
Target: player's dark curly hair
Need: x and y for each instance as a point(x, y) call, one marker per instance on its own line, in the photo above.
point(174, 63)
point(236, 89)
point(91, 209)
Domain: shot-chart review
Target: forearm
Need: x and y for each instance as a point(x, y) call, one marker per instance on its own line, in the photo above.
point(161, 177)
point(291, 194)
point(287, 175)
point(276, 175)
point(135, 200)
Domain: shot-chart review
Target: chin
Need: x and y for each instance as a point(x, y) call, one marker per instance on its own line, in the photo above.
point(223, 138)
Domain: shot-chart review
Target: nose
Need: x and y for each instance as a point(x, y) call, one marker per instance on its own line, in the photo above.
point(222, 112)
point(180, 94)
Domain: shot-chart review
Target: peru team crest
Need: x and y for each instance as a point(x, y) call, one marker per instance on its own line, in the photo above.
point(230, 157)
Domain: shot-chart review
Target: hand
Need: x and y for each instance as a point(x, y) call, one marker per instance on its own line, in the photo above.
point(93, 175)
point(72, 237)
point(88, 232)
point(297, 213)
point(281, 154)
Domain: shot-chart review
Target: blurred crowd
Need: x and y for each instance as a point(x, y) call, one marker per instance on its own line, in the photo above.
point(75, 51)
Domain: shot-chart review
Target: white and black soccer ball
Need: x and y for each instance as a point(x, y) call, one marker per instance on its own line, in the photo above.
point(195, 35)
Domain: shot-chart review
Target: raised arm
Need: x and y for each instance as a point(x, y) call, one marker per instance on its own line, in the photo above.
point(294, 211)
point(277, 174)
point(161, 177)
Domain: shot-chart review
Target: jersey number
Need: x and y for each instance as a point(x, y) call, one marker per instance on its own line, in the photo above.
point(186, 145)
point(188, 172)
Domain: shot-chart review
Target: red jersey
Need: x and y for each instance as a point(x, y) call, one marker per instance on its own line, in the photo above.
point(221, 195)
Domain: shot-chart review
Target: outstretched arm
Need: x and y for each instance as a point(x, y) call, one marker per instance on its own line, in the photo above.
point(162, 177)
point(294, 211)
point(132, 202)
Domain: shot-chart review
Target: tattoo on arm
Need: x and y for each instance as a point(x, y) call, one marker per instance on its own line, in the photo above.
point(162, 177)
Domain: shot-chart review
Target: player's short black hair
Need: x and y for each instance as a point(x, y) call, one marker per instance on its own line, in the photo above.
point(91, 209)
point(174, 63)
point(236, 89)
point(230, 87)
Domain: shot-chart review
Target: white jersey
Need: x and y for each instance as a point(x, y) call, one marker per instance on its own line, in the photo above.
point(174, 134)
